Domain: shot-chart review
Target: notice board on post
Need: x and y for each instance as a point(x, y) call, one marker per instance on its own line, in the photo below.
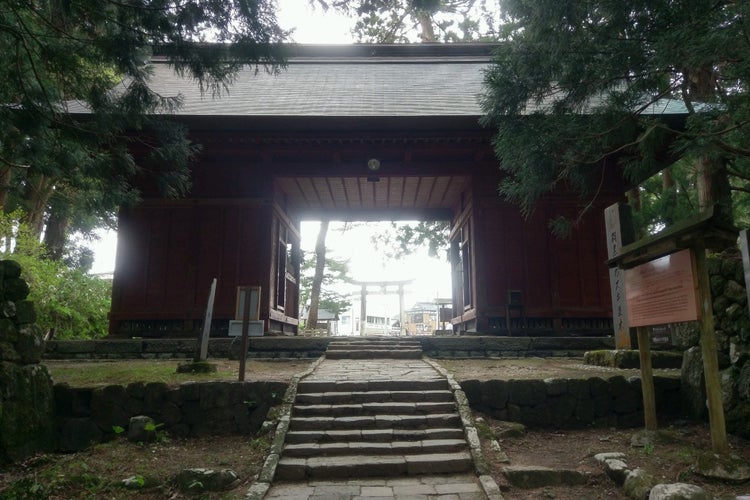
point(255, 326)
point(664, 290)
point(243, 292)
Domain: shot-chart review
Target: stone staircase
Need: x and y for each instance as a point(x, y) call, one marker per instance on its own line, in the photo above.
point(374, 347)
point(372, 408)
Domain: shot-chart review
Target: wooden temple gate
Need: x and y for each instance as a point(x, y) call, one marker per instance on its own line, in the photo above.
point(287, 148)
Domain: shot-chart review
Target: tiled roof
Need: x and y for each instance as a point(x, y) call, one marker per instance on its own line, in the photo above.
point(351, 88)
point(421, 80)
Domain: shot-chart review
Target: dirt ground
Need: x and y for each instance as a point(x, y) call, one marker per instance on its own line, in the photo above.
point(668, 462)
point(97, 473)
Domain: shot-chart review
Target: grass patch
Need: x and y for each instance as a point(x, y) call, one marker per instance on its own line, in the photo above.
point(124, 372)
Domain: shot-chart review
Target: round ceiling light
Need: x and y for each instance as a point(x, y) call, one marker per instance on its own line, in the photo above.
point(373, 164)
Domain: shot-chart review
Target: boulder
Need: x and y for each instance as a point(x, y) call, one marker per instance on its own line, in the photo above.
point(142, 429)
point(677, 491)
point(731, 469)
point(198, 480)
point(638, 484)
point(693, 387)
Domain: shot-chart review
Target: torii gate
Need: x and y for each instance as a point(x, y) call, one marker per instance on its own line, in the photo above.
point(384, 285)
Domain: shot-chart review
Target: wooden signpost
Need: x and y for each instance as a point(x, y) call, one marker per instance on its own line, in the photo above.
point(660, 291)
point(619, 227)
point(667, 281)
point(248, 308)
point(202, 352)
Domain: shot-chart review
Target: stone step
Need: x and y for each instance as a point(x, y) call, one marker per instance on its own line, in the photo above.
point(311, 386)
point(377, 347)
point(374, 353)
point(373, 396)
point(374, 408)
point(296, 468)
point(376, 422)
point(374, 448)
point(373, 435)
point(375, 343)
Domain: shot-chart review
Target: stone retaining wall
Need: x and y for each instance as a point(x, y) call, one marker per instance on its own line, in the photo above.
point(87, 416)
point(25, 385)
point(133, 349)
point(313, 347)
point(571, 403)
point(490, 346)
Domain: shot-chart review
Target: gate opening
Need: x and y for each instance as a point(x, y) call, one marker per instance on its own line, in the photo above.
point(369, 287)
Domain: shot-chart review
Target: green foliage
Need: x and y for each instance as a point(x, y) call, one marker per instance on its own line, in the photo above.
point(76, 85)
point(72, 302)
point(27, 488)
point(118, 429)
point(336, 274)
point(405, 238)
point(405, 21)
point(663, 202)
point(578, 88)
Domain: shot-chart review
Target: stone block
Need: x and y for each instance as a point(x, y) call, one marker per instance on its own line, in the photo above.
point(8, 352)
point(8, 331)
point(598, 386)
point(124, 346)
point(584, 411)
point(27, 418)
point(69, 348)
point(556, 386)
point(15, 289)
point(628, 402)
point(25, 312)
point(562, 409)
point(30, 344)
point(473, 390)
point(579, 388)
point(190, 391)
point(618, 385)
point(495, 394)
point(154, 394)
point(526, 392)
point(77, 434)
point(10, 269)
point(602, 405)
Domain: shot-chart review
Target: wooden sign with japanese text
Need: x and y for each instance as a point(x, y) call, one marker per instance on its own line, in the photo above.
point(662, 291)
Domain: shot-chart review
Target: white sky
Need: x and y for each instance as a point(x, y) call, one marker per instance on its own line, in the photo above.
point(431, 276)
point(313, 25)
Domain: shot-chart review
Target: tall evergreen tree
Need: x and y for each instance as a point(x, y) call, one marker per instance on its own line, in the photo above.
point(581, 84)
point(96, 53)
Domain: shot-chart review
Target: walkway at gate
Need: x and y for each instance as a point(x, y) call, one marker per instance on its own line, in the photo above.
point(386, 427)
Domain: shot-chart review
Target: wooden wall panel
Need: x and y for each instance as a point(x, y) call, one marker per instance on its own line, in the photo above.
point(538, 287)
point(130, 267)
point(168, 257)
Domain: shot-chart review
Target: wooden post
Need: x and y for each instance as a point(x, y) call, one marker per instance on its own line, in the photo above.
point(619, 227)
point(203, 346)
point(745, 249)
point(245, 333)
point(363, 310)
point(709, 352)
point(647, 378)
point(401, 316)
